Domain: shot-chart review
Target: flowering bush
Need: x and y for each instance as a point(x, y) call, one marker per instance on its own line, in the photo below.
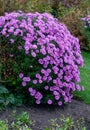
point(87, 29)
point(40, 55)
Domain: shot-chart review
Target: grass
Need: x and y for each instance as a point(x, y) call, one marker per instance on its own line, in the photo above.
point(85, 79)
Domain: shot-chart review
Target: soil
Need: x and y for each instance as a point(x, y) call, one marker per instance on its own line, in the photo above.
point(42, 114)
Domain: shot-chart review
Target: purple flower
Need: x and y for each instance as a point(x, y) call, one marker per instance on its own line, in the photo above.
point(55, 93)
point(40, 81)
point(23, 84)
point(21, 75)
point(2, 20)
point(48, 70)
point(34, 81)
point(38, 96)
point(26, 79)
point(44, 78)
point(20, 47)
point(46, 87)
point(38, 102)
point(57, 97)
point(82, 88)
point(60, 103)
point(49, 101)
point(12, 40)
point(30, 90)
point(42, 71)
point(11, 55)
point(40, 61)
point(38, 76)
point(33, 93)
point(33, 54)
point(78, 87)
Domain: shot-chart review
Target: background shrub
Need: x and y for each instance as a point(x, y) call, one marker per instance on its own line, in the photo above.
point(26, 5)
point(39, 55)
point(72, 18)
point(86, 26)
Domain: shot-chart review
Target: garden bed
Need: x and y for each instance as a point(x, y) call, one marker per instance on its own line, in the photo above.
point(42, 114)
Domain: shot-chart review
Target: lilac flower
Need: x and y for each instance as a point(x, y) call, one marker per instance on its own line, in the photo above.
point(82, 88)
point(49, 101)
point(44, 78)
point(23, 84)
point(38, 96)
point(78, 87)
point(21, 75)
point(30, 90)
point(11, 55)
point(40, 61)
point(38, 102)
point(46, 87)
point(38, 76)
point(33, 54)
point(55, 93)
point(60, 103)
point(33, 93)
point(26, 79)
point(2, 20)
point(40, 81)
point(57, 97)
point(20, 47)
point(12, 40)
point(49, 70)
point(42, 71)
point(34, 81)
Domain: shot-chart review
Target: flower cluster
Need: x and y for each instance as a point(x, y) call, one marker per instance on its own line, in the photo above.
point(50, 53)
point(87, 21)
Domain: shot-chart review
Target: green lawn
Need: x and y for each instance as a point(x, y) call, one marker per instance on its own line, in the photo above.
point(85, 79)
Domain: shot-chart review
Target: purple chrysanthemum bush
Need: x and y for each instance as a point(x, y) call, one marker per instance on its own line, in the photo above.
point(43, 55)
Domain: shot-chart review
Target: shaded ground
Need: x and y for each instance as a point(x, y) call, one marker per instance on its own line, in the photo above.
point(42, 114)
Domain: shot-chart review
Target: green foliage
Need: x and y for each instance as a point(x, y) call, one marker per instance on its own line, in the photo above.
point(63, 11)
point(8, 98)
point(3, 125)
point(85, 79)
point(5, 97)
point(72, 18)
point(21, 122)
point(26, 5)
point(87, 34)
point(66, 123)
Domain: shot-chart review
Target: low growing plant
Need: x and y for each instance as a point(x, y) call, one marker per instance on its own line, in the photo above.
point(66, 123)
point(5, 97)
point(21, 121)
point(40, 57)
point(3, 125)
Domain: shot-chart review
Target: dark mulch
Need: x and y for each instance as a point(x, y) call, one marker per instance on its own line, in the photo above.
point(42, 114)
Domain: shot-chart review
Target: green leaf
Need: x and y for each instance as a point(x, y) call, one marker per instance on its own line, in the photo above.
point(3, 89)
point(2, 100)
